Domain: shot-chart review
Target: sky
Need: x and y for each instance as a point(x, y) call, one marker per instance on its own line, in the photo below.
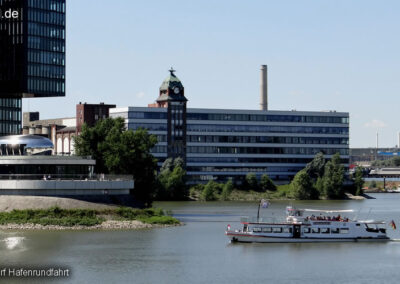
point(338, 55)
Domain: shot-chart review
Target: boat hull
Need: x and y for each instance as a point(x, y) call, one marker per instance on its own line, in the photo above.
point(250, 238)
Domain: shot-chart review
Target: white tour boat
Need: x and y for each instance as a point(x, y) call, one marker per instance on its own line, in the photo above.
point(397, 190)
point(309, 225)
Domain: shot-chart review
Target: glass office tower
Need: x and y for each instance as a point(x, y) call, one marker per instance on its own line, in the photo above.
point(32, 56)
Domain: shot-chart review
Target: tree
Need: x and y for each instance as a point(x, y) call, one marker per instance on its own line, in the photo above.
point(227, 190)
point(92, 141)
point(392, 162)
point(167, 165)
point(359, 181)
point(121, 151)
point(172, 185)
point(333, 178)
point(176, 184)
point(396, 161)
point(319, 185)
point(328, 186)
point(251, 182)
point(315, 168)
point(195, 191)
point(179, 162)
point(302, 187)
point(266, 183)
point(210, 191)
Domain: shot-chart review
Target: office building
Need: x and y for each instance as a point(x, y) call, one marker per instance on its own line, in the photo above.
point(222, 144)
point(32, 56)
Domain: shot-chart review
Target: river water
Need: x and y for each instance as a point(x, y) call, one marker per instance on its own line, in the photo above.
point(198, 252)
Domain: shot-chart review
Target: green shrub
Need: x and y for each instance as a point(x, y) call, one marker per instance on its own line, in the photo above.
point(195, 191)
point(266, 183)
point(283, 191)
point(226, 191)
point(210, 191)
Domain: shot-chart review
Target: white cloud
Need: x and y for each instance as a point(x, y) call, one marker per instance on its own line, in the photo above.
point(140, 95)
point(375, 123)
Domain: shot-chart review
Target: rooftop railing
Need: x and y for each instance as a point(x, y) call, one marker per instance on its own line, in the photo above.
point(94, 177)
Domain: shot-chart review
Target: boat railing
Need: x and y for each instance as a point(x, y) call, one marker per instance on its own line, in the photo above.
point(275, 219)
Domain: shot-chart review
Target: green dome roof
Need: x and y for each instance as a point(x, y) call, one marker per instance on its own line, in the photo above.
point(171, 81)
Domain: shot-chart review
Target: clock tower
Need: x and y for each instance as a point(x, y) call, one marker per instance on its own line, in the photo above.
point(172, 97)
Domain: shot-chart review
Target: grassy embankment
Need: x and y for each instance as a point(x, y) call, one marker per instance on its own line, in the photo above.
point(378, 186)
point(282, 193)
point(84, 217)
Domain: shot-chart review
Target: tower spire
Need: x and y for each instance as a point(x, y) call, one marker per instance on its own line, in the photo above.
point(172, 71)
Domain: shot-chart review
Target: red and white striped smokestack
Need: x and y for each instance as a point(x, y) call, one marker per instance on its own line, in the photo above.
point(264, 87)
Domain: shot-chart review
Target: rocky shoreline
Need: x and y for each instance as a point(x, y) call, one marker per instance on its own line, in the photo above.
point(106, 225)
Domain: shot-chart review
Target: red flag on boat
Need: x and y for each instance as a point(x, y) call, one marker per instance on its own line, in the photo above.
point(393, 225)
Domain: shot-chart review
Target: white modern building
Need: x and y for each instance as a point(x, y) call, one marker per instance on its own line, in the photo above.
point(223, 144)
point(28, 168)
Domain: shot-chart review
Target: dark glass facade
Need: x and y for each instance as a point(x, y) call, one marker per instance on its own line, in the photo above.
point(33, 49)
point(12, 49)
point(246, 117)
point(32, 56)
point(46, 48)
point(245, 128)
point(10, 116)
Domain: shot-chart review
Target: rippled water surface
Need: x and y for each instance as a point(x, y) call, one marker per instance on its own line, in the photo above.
point(198, 252)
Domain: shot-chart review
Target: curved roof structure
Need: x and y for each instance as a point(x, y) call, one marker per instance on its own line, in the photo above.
point(172, 89)
point(171, 82)
point(30, 141)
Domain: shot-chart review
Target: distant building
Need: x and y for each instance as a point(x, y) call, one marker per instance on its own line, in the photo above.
point(32, 56)
point(367, 155)
point(90, 114)
point(222, 144)
point(62, 130)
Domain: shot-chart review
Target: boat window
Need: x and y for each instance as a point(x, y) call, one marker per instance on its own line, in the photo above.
point(325, 230)
point(256, 230)
point(335, 231)
point(344, 230)
point(371, 230)
point(358, 225)
point(267, 230)
point(306, 230)
point(287, 230)
point(315, 230)
point(277, 230)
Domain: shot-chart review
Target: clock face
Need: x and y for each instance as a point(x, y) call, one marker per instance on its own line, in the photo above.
point(176, 90)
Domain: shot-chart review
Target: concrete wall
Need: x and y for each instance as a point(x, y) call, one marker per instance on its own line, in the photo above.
point(64, 187)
